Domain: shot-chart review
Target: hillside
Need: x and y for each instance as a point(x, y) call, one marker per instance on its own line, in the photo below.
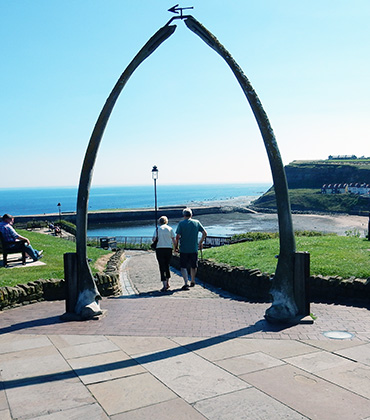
point(305, 179)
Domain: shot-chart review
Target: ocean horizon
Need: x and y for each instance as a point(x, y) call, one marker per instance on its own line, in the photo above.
point(45, 200)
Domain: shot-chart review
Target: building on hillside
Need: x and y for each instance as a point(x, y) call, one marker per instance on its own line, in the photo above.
point(352, 188)
point(342, 157)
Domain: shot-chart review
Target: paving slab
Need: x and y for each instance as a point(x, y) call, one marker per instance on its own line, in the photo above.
point(11, 342)
point(284, 348)
point(352, 376)
point(89, 411)
point(5, 415)
point(130, 393)
point(248, 363)
point(308, 394)
point(3, 401)
point(88, 348)
point(193, 378)
point(344, 372)
point(168, 410)
point(359, 353)
point(139, 345)
point(105, 367)
point(29, 399)
point(333, 345)
point(247, 404)
point(217, 348)
point(32, 363)
point(318, 361)
point(64, 341)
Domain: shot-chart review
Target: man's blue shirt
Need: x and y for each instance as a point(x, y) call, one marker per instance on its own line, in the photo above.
point(188, 230)
point(9, 234)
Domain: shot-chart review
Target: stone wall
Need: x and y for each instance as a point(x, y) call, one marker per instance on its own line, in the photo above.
point(108, 284)
point(254, 285)
point(23, 294)
point(251, 284)
point(335, 289)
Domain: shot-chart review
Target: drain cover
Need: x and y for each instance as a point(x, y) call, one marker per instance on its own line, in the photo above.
point(338, 335)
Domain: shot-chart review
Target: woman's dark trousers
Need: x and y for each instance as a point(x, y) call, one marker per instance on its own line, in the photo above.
point(164, 258)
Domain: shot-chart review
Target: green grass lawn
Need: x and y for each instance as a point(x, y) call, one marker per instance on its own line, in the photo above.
point(54, 248)
point(344, 256)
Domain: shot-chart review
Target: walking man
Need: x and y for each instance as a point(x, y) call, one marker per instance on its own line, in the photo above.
point(187, 234)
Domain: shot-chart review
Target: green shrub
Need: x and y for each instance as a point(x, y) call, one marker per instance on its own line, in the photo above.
point(260, 236)
point(36, 224)
point(254, 236)
point(311, 233)
point(67, 226)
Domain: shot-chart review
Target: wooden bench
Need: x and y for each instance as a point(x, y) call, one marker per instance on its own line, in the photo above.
point(13, 250)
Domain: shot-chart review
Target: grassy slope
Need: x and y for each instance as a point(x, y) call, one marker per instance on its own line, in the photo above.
point(312, 200)
point(54, 248)
point(330, 255)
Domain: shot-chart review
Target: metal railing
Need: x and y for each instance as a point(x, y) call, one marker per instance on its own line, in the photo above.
point(125, 241)
point(144, 241)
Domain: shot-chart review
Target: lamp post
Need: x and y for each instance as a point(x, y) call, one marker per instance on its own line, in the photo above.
point(155, 177)
point(60, 213)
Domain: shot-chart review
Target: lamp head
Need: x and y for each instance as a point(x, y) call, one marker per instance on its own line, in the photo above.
point(155, 172)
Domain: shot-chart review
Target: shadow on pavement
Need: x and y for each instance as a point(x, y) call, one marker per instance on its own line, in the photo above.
point(52, 320)
point(260, 325)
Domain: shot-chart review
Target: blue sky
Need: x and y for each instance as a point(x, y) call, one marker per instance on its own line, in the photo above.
point(182, 110)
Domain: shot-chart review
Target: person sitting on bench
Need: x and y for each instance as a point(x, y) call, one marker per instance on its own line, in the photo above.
point(14, 240)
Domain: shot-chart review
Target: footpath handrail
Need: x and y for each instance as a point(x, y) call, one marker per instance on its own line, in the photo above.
point(210, 241)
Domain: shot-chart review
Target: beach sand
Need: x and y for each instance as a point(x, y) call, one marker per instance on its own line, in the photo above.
point(333, 223)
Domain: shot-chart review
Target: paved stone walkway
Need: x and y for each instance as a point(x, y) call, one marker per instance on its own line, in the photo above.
point(142, 273)
point(199, 354)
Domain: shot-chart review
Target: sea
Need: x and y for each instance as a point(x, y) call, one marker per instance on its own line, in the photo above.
point(46, 200)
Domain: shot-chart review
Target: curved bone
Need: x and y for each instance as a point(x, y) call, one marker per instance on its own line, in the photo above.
point(88, 292)
point(283, 306)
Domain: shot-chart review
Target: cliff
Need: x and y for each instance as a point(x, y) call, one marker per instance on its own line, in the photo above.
point(313, 174)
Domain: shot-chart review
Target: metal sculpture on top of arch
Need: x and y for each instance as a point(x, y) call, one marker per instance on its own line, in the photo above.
point(283, 306)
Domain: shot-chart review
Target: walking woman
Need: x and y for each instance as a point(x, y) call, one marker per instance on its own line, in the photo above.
point(166, 239)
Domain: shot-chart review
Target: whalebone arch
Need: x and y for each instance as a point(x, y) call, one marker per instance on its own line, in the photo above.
point(283, 306)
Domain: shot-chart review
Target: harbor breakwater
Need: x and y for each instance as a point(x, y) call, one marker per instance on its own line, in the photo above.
point(125, 215)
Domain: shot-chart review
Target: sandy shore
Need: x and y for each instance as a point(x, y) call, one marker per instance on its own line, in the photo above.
point(339, 224)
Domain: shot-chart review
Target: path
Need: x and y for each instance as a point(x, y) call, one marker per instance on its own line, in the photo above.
point(142, 273)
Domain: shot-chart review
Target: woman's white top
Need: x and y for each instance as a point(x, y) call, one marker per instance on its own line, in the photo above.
point(165, 235)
